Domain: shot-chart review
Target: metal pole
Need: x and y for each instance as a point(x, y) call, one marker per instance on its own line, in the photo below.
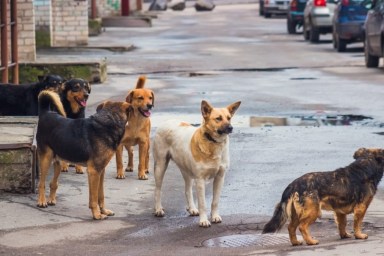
point(14, 44)
point(4, 41)
point(124, 7)
point(93, 10)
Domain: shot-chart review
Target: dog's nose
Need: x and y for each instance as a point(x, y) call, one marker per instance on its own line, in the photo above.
point(86, 95)
point(149, 106)
point(229, 129)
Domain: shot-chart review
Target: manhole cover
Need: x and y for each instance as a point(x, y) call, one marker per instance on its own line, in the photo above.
point(247, 240)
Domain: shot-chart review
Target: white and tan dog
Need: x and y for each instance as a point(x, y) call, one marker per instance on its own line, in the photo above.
point(200, 153)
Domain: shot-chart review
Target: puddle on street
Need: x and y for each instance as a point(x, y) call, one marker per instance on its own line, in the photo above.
point(269, 121)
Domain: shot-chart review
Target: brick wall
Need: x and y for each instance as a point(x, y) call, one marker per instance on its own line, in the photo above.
point(69, 22)
point(26, 29)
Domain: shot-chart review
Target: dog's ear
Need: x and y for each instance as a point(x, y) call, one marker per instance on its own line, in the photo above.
point(129, 97)
point(206, 109)
point(233, 107)
point(153, 99)
point(100, 106)
point(360, 153)
point(128, 108)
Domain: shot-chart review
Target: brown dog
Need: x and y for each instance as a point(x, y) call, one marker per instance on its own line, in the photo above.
point(343, 191)
point(91, 142)
point(137, 131)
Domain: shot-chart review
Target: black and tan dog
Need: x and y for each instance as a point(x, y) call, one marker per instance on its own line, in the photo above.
point(91, 142)
point(343, 191)
point(137, 131)
point(74, 95)
point(21, 100)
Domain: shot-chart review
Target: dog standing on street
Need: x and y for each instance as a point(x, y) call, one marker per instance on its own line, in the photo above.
point(346, 190)
point(200, 153)
point(137, 131)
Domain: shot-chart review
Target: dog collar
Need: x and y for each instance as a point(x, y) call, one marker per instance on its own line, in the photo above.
point(209, 137)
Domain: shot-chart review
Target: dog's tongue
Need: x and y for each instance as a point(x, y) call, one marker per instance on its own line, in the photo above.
point(147, 113)
point(83, 103)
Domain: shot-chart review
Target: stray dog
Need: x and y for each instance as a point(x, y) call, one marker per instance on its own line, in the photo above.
point(343, 191)
point(137, 131)
point(74, 95)
point(21, 100)
point(200, 153)
point(91, 142)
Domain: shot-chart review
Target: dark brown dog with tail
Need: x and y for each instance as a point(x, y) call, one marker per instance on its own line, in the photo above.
point(343, 191)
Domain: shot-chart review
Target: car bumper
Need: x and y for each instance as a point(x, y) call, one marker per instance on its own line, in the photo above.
point(351, 31)
point(296, 16)
point(276, 9)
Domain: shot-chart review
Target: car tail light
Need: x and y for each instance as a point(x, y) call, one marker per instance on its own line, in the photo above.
point(293, 5)
point(320, 2)
point(344, 2)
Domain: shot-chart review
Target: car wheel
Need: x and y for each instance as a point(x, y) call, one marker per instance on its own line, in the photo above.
point(314, 34)
point(267, 15)
point(370, 60)
point(334, 39)
point(341, 44)
point(291, 26)
point(261, 7)
point(305, 32)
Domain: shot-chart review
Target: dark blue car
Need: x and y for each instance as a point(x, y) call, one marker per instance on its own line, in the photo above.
point(348, 23)
point(295, 15)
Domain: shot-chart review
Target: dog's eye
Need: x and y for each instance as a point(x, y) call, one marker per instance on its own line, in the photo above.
point(219, 119)
point(76, 88)
point(141, 98)
point(228, 118)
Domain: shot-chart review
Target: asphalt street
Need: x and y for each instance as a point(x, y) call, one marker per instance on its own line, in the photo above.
point(222, 56)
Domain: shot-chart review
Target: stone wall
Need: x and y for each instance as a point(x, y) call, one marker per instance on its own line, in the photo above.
point(43, 22)
point(69, 22)
point(26, 30)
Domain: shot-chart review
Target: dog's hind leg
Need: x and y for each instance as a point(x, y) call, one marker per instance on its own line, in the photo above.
point(200, 188)
point(191, 207)
point(103, 210)
point(54, 184)
point(358, 216)
point(217, 186)
point(79, 169)
point(129, 167)
point(341, 221)
point(45, 159)
point(64, 166)
point(161, 164)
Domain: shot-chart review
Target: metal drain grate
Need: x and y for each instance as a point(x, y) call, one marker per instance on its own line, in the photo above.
point(247, 240)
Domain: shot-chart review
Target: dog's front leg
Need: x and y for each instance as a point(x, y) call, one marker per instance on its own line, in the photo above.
point(200, 188)
point(358, 216)
point(103, 210)
point(94, 183)
point(143, 152)
point(119, 162)
point(191, 208)
point(217, 186)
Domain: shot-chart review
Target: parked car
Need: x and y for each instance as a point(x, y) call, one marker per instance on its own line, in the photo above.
point(270, 7)
point(348, 23)
point(318, 15)
point(295, 15)
point(374, 29)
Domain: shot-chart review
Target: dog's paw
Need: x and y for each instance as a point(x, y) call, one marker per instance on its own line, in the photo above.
point(296, 242)
point(120, 176)
point(159, 213)
point(361, 236)
point(129, 169)
point(107, 212)
point(193, 211)
point(51, 202)
point(216, 219)
point(312, 242)
point(100, 217)
point(345, 235)
point(79, 170)
point(42, 204)
point(143, 177)
point(147, 171)
point(205, 223)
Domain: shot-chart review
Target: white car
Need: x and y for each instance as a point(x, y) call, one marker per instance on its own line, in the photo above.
point(318, 15)
point(269, 7)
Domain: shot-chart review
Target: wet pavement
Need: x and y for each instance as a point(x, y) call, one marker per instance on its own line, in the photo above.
point(222, 58)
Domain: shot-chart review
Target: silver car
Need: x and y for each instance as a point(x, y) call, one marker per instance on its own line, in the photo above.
point(270, 7)
point(318, 15)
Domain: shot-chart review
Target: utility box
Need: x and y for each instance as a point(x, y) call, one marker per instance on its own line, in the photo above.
point(18, 156)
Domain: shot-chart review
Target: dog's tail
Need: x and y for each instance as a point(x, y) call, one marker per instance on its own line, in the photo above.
point(283, 211)
point(141, 82)
point(49, 100)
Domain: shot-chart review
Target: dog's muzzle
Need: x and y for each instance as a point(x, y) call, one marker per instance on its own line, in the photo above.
point(146, 112)
point(225, 130)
